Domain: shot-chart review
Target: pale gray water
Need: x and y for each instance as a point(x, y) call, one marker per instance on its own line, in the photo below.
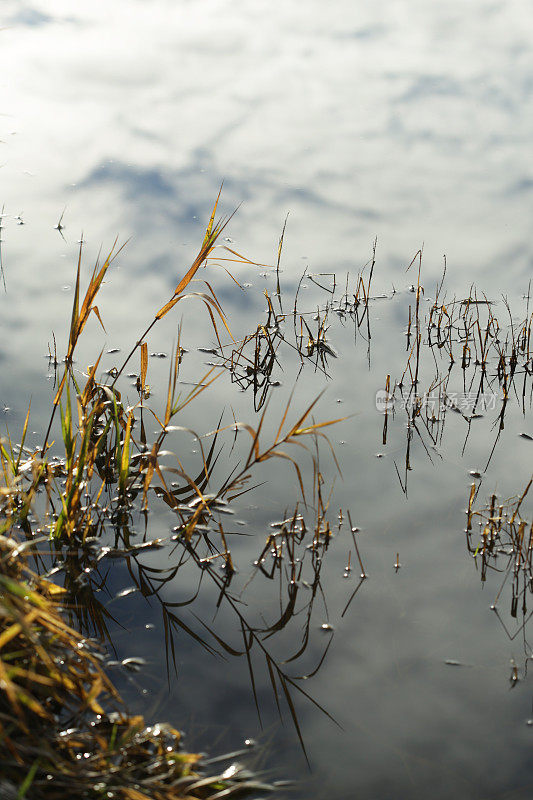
point(408, 121)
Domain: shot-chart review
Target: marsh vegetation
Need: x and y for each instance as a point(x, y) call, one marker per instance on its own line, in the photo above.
point(76, 509)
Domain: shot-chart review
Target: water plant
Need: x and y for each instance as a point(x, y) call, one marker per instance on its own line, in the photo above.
point(77, 502)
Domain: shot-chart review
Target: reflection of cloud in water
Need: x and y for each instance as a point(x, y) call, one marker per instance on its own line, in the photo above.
point(406, 130)
point(430, 85)
point(30, 17)
point(520, 187)
point(177, 195)
point(366, 33)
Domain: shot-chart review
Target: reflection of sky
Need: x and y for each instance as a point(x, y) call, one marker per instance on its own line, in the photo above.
point(404, 120)
point(409, 121)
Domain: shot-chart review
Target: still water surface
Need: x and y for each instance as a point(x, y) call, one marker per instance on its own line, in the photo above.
point(406, 121)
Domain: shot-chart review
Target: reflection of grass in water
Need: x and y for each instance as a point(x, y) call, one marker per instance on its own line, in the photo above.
point(463, 344)
point(109, 473)
point(504, 544)
point(460, 358)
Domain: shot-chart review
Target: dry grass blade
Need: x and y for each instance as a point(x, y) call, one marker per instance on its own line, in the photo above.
point(79, 320)
point(144, 365)
point(212, 233)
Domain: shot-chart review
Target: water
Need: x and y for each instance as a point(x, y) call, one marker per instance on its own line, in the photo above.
point(406, 121)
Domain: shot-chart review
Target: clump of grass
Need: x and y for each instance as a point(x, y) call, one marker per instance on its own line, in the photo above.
point(63, 729)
